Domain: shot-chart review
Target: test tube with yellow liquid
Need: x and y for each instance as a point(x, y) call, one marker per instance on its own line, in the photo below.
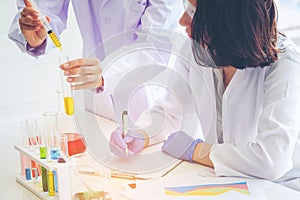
point(66, 89)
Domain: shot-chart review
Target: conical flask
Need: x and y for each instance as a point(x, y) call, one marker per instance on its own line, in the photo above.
point(67, 129)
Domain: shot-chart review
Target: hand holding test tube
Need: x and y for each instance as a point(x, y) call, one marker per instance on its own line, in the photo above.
point(66, 89)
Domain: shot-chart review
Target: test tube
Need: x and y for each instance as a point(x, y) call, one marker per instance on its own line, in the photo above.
point(52, 136)
point(66, 89)
point(51, 189)
point(25, 143)
point(54, 144)
point(43, 151)
point(43, 143)
point(27, 169)
point(44, 179)
point(31, 129)
point(35, 176)
point(64, 144)
point(55, 180)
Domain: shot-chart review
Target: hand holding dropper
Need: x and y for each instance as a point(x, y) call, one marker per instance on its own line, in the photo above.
point(46, 24)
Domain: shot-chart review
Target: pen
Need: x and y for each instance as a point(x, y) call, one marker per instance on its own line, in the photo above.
point(125, 127)
point(114, 175)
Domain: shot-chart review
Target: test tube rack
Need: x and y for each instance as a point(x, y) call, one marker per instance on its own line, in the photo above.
point(31, 185)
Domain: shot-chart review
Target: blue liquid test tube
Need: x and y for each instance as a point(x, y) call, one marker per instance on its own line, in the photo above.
point(55, 180)
point(27, 169)
point(28, 173)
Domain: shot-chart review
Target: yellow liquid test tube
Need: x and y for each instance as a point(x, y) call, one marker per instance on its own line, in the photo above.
point(51, 189)
point(69, 105)
point(66, 90)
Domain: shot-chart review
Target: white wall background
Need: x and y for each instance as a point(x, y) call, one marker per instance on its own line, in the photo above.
point(27, 89)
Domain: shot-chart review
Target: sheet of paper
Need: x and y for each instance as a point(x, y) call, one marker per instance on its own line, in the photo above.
point(192, 185)
point(152, 162)
point(207, 189)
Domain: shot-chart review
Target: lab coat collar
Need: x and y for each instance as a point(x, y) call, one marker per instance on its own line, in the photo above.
point(238, 78)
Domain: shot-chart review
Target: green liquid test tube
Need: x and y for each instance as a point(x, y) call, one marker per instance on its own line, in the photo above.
point(44, 179)
point(43, 152)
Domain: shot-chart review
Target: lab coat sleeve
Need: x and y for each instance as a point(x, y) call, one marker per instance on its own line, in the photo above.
point(271, 155)
point(176, 109)
point(56, 10)
point(165, 115)
point(117, 66)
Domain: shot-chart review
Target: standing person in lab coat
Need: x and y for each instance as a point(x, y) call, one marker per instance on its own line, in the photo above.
point(98, 21)
point(253, 94)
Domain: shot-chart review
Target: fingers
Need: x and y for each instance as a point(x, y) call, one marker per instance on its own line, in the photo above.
point(128, 138)
point(117, 138)
point(85, 81)
point(84, 70)
point(117, 145)
point(80, 62)
point(83, 73)
point(27, 3)
point(120, 152)
point(29, 19)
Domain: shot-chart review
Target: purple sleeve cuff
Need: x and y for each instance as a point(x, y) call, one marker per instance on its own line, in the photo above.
point(36, 51)
point(101, 88)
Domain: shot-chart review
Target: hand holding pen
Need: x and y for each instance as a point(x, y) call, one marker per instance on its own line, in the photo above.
point(125, 142)
point(126, 145)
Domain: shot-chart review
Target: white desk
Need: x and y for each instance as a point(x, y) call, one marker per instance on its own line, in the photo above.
point(271, 190)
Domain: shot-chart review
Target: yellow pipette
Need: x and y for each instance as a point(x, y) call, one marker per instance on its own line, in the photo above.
point(48, 28)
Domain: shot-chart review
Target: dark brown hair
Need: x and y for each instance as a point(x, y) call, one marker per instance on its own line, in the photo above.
point(240, 33)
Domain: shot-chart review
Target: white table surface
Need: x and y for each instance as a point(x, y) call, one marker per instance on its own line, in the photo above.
point(11, 190)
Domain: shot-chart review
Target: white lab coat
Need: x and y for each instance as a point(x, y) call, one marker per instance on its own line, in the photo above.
point(260, 118)
point(105, 26)
point(99, 20)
